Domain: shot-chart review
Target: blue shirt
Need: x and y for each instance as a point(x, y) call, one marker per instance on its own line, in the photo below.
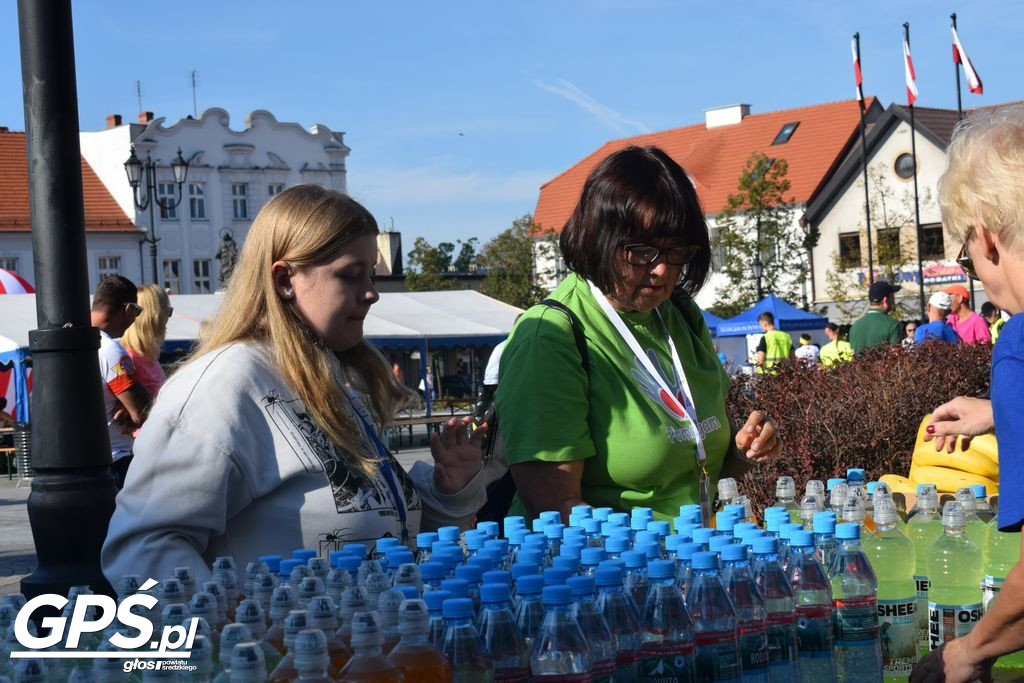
point(937, 329)
point(1007, 399)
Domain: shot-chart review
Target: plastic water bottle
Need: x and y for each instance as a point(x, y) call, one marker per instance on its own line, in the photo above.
point(750, 613)
point(809, 507)
point(813, 594)
point(981, 505)
point(923, 526)
point(785, 497)
point(462, 645)
point(501, 635)
point(435, 604)
point(824, 528)
point(530, 612)
point(247, 664)
point(714, 622)
point(667, 653)
point(1003, 553)
point(635, 580)
point(560, 650)
point(415, 656)
point(954, 570)
point(311, 656)
point(858, 654)
point(620, 613)
point(976, 529)
point(780, 607)
point(368, 663)
point(595, 628)
point(837, 498)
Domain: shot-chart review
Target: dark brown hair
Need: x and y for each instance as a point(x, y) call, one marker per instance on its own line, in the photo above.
point(114, 291)
point(767, 317)
point(638, 194)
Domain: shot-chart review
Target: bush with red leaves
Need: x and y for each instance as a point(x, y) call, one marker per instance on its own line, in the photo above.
point(865, 413)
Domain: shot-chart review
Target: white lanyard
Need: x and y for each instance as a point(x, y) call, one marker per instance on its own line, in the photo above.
point(681, 403)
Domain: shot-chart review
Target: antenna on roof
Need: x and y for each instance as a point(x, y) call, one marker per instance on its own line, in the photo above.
point(195, 110)
point(138, 93)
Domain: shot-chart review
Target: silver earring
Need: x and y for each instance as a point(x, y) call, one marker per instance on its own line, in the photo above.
point(288, 293)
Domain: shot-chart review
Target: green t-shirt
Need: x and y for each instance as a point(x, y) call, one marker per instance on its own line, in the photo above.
point(875, 328)
point(638, 452)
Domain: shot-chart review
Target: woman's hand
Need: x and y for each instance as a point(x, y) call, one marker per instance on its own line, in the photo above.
point(963, 416)
point(758, 440)
point(951, 662)
point(458, 456)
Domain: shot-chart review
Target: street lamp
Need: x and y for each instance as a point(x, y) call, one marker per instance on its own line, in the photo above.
point(143, 174)
point(758, 271)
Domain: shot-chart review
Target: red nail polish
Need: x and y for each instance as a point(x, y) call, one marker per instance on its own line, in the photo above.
point(930, 429)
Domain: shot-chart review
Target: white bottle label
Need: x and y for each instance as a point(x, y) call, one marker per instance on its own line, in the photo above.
point(922, 608)
point(990, 587)
point(898, 635)
point(946, 622)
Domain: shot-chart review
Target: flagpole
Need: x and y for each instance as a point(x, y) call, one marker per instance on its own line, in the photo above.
point(864, 157)
point(917, 205)
point(960, 116)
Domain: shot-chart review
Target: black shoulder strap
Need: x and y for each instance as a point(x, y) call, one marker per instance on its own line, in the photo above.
point(577, 330)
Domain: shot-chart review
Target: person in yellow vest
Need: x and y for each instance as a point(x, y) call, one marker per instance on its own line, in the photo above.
point(774, 346)
point(994, 316)
point(837, 350)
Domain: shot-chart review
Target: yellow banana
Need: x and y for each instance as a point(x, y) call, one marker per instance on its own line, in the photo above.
point(948, 480)
point(898, 484)
point(986, 445)
point(969, 461)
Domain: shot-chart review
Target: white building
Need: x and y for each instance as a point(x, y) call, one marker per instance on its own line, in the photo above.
point(231, 174)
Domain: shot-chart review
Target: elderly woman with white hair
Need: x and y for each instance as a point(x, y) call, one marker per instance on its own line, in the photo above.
point(981, 195)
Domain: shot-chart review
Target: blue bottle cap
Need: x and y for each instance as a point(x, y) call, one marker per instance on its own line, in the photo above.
point(635, 559)
point(581, 585)
point(432, 571)
point(856, 475)
point(495, 592)
point(672, 541)
point(457, 608)
point(787, 529)
point(571, 549)
point(557, 595)
point(513, 522)
point(639, 523)
point(716, 543)
point(848, 530)
point(646, 537)
point(582, 510)
point(435, 599)
point(349, 563)
point(534, 557)
point(801, 539)
point(830, 484)
point(703, 534)
point(383, 543)
point(557, 576)
point(705, 560)
point(686, 529)
point(517, 536)
point(285, 567)
point(498, 576)
point(619, 519)
point(738, 509)
point(660, 527)
point(573, 532)
point(652, 549)
point(661, 569)
point(608, 576)
point(470, 573)
point(553, 531)
point(570, 563)
point(410, 592)
point(774, 510)
point(399, 555)
point(482, 560)
point(446, 559)
point(304, 554)
point(872, 485)
point(591, 556)
point(530, 584)
point(979, 490)
point(617, 545)
point(748, 535)
point(439, 545)
point(766, 545)
point(523, 569)
point(535, 538)
point(688, 508)
point(449, 533)
point(725, 521)
point(357, 549)
point(273, 562)
point(497, 544)
point(426, 539)
point(459, 588)
point(740, 527)
point(475, 539)
point(685, 551)
point(733, 552)
point(824, 523)
point(601, 514)
point(489, 528)
point(592, 525)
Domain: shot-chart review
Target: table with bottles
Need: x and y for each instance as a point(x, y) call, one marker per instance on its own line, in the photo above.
point(838, 585)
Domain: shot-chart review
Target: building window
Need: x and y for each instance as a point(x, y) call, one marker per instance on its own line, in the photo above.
point(165, 194)
point(9, 263)
point(785, 133)
point(201, 276)
point(172, 276)
point(849, 250)
point(240, 200)
point(108, 265)
point(933, 245)
point(890, 252)
point(274, 188)
point(904, 166)
point(197, 201)
point(717, 249)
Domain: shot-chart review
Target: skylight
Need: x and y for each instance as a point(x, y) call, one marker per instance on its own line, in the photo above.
point(786, 133)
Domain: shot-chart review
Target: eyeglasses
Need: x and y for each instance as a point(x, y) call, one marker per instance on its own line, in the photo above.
point(638, 254)
point(135, 308)
point(966, 263)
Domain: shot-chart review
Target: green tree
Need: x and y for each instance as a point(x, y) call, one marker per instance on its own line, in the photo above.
point(759, 218)
point(428, 265)
point(509, 260)
point(466, 260)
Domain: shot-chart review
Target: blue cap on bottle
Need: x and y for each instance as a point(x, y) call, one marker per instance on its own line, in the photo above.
point(459, 588)
point(703, 534)
point(530, 584)
point(787, 529)
point(304, 554)
point(449, 533)
point(801, 539)
point(425, 539)
point(716, 543)
point(435, 599)
point(824, 522)
point(591, 556)
point(517, 536)
point(556, 576)
point(482, 560)
point(616, 545)
point(523, 569)
point(830, 484)
point(979, 490)
point(457, 608)
point(685, 551)
point(734, 552)
point(740, 527)
point(285, 567)
point(651, 549)
point(725, 521)
point(601, 514)
point(608, 576)
point(635, 559)
point(432, 571)
point(592, 525)
point(856, 476)
point(349, 563)
point(738, 509)
point(766, 545)
point(553, 531)
point(357, 549)
point(570, 563)
point(872, 485)
point(557, 595)
point(497, 576)
point(531, 556)
point(475, 539)
point(401, 555)
point(581, 585)
point(848, 530)
point(646, 537)
point(705, 560)
point(334, 555)
point(495, 592)
point(410, 592)
point(672, 541)
point(571, 549)
point(661, 569)
point(748, 535)
point(273, 562)
point(582, 510)
point(471, 573)
point(660, 527)
point(509, 524)
point(489, 528)
point(686, 529)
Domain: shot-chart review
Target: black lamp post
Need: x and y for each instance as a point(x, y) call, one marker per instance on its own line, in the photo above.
point(139, 171)
point(758, 272)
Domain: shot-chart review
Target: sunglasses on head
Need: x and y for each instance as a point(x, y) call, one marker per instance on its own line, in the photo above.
point(966, 263)
point(638, 254)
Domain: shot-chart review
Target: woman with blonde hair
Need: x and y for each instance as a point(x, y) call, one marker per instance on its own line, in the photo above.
point(145, 337)
point(268, 439)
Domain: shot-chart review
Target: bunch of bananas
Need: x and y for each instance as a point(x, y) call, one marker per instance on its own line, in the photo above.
point(979, 464)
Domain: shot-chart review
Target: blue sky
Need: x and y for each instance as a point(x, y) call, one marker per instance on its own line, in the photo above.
point(456, 112)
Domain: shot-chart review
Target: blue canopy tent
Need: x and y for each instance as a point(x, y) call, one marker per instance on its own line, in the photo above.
point(788, 318)
point(712, 321)
point(12, 359)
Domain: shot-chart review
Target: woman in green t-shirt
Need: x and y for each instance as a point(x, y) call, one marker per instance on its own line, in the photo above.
point(646, 423)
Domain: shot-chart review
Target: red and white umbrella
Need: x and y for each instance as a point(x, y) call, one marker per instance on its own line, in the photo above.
point(12, 283)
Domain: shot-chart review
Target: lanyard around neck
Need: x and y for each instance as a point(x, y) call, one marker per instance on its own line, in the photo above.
point(384, 461)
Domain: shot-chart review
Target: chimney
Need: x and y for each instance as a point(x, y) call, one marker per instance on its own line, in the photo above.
point(113, 121)
point(4, 129)
point(726, 116)
point(146, 117)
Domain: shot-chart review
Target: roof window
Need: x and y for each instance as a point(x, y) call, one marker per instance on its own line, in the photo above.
point(785, 134)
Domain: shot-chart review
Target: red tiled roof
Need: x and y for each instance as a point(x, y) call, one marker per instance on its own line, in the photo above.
point(715, 157)
point(102, 212)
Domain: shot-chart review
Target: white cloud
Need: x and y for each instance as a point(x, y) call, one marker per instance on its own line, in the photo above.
point(603, 113)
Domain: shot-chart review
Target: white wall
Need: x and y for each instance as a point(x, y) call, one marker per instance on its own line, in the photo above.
point(125, 246)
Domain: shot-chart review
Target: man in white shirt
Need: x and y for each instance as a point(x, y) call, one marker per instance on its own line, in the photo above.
point(114, 309)
point(807, 352)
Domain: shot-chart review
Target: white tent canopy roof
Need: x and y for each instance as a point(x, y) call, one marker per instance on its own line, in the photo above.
point(396, 317)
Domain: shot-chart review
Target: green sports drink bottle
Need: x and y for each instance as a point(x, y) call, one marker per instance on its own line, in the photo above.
point(891, 553)
point(954, 572)
point(1003, 553)
point(923, 528)
point(976, 528)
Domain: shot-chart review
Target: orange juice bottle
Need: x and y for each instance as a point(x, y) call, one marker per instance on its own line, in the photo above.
point(282, 601)
point(285, 670)
point(322, 614)
point(311, 662)
point(387, 614)
point(415, 656)
point(368, 664)
point(353, 599)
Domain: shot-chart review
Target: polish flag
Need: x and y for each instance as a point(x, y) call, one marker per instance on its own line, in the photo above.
point(908, 72)
point(960, 57)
